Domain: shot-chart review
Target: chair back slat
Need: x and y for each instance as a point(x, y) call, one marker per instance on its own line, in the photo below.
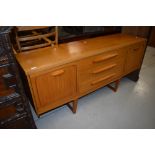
point(31, 37)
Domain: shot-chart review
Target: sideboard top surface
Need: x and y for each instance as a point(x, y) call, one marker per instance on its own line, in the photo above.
point(45, 58)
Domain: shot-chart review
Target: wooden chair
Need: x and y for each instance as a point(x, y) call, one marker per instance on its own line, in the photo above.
point(32, 37)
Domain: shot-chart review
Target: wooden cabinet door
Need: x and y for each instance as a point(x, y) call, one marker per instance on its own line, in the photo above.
point(54, 88)
point(134, 57)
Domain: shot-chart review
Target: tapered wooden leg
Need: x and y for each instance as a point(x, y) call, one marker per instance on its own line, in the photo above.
point(115, 87)
point(74, 106)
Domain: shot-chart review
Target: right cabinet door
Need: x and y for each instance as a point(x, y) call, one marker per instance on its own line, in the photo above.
point(134, 57)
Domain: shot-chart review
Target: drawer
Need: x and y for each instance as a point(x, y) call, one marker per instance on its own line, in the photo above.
point(106, 70)
point(7, 81)
point(105, 58)
point(97, 82)
point(23, 122)
point(103, 80)
point(10, 110)
point(4, 60)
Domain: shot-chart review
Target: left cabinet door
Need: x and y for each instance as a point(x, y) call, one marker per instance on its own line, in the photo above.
point(54, 88)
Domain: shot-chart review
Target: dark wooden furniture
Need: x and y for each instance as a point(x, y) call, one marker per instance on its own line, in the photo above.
point(14, 106)
point(151, 41)
point(74, 33)
point(140, 31)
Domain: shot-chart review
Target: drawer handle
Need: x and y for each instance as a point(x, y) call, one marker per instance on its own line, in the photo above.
point(57, 73)
point(105, 58)
point(8, 80)
point(136, 49)
point(102, 79)
point(104, 69)
point(20, 109)
point(7, 76)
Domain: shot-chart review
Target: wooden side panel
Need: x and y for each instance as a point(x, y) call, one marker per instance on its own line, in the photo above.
point(54, 88)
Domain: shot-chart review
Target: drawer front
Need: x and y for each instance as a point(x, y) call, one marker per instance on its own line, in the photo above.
point(7, 80)
point(11, 110)
point(3, 59)
point(104, 80)
point(102, 59)
point(112, 68)
point(20, 123)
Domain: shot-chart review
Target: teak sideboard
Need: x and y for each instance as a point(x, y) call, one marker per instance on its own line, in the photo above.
point(61, 74)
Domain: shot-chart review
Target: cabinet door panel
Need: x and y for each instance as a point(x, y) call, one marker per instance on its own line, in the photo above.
point(134, 57)
point(55, 87)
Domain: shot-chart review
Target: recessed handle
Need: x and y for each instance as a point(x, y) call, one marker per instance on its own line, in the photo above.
point(104, 69)
point(19, 109)
point(58, 72)
point(105, 58)
point(9, 80)
point(136, 49)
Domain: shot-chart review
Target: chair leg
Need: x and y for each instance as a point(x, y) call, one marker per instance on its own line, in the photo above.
point(115, 87)
point(73, 108)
